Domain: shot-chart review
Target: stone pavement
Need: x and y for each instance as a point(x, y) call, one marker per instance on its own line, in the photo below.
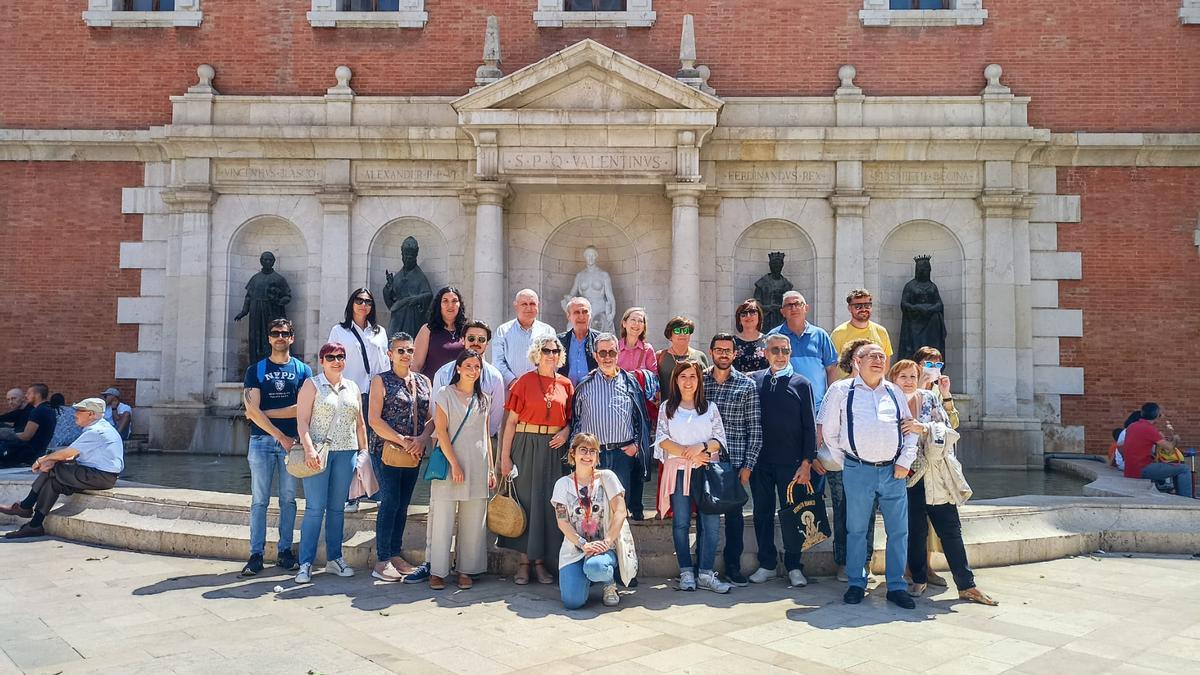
point(77, 608)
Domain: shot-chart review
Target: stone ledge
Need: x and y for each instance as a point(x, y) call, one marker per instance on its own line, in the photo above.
point(562, 19)
point(922, 17)
point(335, 19)
point(98, 18)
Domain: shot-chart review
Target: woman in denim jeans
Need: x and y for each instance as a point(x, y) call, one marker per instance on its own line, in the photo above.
point(690, 435)
point(399, 412)
point(329, 406)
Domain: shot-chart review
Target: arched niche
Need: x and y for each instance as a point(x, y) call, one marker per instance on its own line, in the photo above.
point(281, 237)
point(750, 261)
point(562, 259)
point(896, 268)
point(384, 256)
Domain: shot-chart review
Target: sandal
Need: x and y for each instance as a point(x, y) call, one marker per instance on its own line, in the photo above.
point(543, 576)
point(977, 596)
point(465, 581)
point(936, 579)
point(522, 576)
point(917, 590)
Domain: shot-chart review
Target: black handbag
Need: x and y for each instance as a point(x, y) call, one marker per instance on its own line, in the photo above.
point(804, 516)
point(717, 489)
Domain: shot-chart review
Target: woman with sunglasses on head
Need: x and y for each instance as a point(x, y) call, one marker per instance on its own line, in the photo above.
point(458, 504)
point(441, 338)
point(679, 336)
point(328, 418)
point(400, 414)
point(589, 507)
point(749, 343)
point(539, 406)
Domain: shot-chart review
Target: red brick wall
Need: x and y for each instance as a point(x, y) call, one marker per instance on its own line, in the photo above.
point(1140, 296)
point(60, 228)
point(1101, 65)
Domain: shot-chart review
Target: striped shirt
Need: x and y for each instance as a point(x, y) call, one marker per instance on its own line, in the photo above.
point(737, 400)
point(604, 407)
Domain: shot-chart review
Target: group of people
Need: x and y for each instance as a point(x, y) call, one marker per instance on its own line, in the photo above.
point(1141, 449)
point(37, 421)
point(578, 420)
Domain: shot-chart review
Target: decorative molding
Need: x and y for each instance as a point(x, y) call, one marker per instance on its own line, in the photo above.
point(637, 14)
point(964, 13)
point(103, 14)
point(324, 14)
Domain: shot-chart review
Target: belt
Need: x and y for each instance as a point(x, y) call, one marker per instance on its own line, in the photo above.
point(615, 446)
point(537, 428)
point(856, 460)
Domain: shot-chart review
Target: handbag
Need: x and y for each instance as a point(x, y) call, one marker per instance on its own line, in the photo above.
point(439, 467)
point(720, 489)
point(296, 465)
point(627, 560)
point(805, 514)
point(394, 455)
point(505, 517)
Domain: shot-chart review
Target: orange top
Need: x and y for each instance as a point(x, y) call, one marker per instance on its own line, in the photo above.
point(541, 400)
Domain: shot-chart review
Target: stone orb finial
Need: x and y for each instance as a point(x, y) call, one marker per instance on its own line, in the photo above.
point(343, 75)
point(992, 73)
point(206, 73)
point(846, 74)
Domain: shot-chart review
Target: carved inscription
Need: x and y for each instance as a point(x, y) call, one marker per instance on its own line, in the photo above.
point(933, 174)
point(259, 171)
point(405, 173)
point(586, 161)
point(776, 174)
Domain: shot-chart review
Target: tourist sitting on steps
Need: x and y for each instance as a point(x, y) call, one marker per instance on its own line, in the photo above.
point(92, 462)
point(117, 413)
point(29, 442)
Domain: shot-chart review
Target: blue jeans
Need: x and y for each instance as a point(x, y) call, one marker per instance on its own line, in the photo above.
point(706, 534)
point(735, 545)
point(864, 484)
point(837, 495)
point(395, 492)
point(621, 464)
point(324, 501)
point(1179, 474)
point(575, 579)
point(267, 458)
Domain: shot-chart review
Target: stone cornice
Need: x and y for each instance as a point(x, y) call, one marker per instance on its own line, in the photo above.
point(1121, 149)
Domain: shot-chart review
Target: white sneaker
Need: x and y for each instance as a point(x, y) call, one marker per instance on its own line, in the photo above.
point(305, 574)
point(762, 575)
point(796, 578)
point(339, 567)
point(611, 598)
point(687, 580)
point(709, 582)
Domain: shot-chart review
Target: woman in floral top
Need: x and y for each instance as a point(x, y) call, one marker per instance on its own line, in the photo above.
point(750, 345)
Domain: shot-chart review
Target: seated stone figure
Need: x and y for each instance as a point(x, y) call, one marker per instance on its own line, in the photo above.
point(92, 462)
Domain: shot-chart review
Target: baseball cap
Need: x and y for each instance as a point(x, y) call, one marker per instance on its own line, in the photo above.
point(111, 391)
point(93, 405)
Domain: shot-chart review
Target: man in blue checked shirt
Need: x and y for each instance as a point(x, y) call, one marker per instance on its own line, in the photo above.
point(737, 401)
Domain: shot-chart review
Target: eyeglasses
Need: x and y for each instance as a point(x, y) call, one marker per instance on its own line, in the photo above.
point(874, 356)
point(860, 305)
point(330, 358)
point(682, 330)
point(551, 352)
point(476, 339)
point(586, 451)
point(606, 353)
point(935, 364)
point(404, 350)
point(748, 312)
point(722, 350)
point(780, 350)
point(279, 334)
point(363, 301)
point(793, 305)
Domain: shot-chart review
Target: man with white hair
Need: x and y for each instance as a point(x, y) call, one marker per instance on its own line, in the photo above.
point(93, 462)
point(579, 340)
point(510, 344)
point(813, 355)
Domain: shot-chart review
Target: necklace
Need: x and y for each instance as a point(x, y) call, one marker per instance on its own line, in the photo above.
point(585, 504)
point(548, 396)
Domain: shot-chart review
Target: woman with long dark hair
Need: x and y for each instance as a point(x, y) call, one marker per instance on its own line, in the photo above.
point(441, 338)
point(365, 340)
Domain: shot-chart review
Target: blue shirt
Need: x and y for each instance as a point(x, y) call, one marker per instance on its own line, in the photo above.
point(812, 353)
point(100, 447)
point(492, 384)
point(604, 408)
point(577, 358)
point(278, 385)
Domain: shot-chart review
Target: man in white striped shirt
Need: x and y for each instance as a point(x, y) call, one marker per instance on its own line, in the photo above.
point(861, 421)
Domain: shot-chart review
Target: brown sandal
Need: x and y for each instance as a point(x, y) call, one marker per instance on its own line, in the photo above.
point(977, 596)
point(522, 576)
point(543, 575)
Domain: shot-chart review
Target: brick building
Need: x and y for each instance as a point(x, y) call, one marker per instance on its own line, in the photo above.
point(1047, 155)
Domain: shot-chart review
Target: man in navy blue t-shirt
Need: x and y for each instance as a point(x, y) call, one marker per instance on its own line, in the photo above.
point(31, 440)
point(270, 392)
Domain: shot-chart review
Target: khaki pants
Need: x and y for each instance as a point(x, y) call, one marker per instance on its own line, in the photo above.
point(471, 543)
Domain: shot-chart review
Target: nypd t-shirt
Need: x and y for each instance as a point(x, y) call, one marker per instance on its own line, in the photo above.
point(278, 385)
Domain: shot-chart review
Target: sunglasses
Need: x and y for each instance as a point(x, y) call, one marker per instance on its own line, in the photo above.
point(606, 353)
point(404, 350)
point(550, 352)
point(748, 312)
point(860, 305)
point(935, 364)
point(682, 330)
point(780, 350)
point(279, 334)
point(364, 301)
point(330, 358)
point(476, 339)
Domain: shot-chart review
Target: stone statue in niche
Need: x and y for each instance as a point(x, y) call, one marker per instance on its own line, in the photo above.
point(267, 297)
point(923, 314)
point(407, 292)
point(594, 284)
point(769, 290)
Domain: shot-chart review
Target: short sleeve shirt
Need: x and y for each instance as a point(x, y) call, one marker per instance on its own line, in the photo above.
point(1138, 451)
point(586, 509)
point(100, 447)
point(278, 386)
point(528, 397)
point(122, 408)
point(812, 353)
point(847, 333)
point(43, 416)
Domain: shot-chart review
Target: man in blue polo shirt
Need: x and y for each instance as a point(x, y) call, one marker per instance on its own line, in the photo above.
point(92, 462)
point(813, 355)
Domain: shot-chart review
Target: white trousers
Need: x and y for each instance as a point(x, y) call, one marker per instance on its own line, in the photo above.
point(471, 544)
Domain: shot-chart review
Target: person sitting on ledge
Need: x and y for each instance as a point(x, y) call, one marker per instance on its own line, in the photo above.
point(117, 412)
point(92, 462)
point(1145, 449)
point(30, 441)
point(18, 409)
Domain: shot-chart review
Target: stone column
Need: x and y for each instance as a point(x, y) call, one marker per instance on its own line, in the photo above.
point(685, 249)
point(337, 199)
point(849, 204)
point(489, 291)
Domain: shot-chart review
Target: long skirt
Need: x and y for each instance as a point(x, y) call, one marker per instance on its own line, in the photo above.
point(538, 468)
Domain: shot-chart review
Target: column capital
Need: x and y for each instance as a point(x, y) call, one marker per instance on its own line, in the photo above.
point(849, 204)
point(335, 201)
point(687, 193)
point(188, 200)
point(1005, 204)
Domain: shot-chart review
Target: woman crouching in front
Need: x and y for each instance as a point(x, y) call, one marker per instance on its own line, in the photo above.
point(590, 507)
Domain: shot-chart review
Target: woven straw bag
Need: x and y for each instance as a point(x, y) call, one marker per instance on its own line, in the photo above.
point(505, 517)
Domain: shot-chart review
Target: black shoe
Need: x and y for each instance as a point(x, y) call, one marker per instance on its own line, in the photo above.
point(737, 579)
point(632, 583)
point(287, 560)
point(901, 598)
point(25, 531)
point(854, 595)
point(253, 566)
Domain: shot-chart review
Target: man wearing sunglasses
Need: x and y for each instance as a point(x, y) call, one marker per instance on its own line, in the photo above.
point(813, 355)
point(270, 392)
point(476, 336)
point(860, 326)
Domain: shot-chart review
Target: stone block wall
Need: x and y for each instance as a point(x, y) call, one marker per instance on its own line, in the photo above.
point(61, 229)
point(1097, 66)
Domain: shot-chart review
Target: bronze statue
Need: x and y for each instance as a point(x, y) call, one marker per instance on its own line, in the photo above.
point(923, 323)
point(407, 292)
point(267, 296)
point(769, 290)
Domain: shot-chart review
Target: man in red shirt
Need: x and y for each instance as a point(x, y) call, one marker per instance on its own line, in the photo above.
point(1141, 439)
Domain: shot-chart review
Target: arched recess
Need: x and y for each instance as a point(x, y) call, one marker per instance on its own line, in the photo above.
point(281, 237)
point(384, 256)
point(562, 259)
point(896, 268)
point(750, 261)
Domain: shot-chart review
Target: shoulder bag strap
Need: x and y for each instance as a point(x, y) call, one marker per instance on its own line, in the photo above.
point(362, 348)
point(337, 415)
point(464, 420)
